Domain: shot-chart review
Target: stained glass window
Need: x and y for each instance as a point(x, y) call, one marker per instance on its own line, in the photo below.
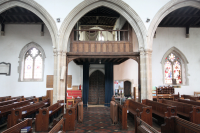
point(33, 64)
point(28, 67)
point(177, 72)
point(38, 67)
point(172, 69)
point(168, 72)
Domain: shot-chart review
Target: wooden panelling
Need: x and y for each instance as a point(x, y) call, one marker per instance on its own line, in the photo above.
point(69, 81)
point(104, 47)
point(49, 81)
point(101, 47)
point(86, 47)
point(98, 47)
point(92, 47)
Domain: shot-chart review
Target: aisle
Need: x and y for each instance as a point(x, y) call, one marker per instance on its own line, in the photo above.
point(97, 120)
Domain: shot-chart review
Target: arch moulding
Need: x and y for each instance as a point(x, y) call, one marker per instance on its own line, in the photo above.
point(87, 5)
point(163, 12)
point(36, 9)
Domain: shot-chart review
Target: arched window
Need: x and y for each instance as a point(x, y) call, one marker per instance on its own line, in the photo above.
point(173, 69)
point(31, 63)
point(174, 65)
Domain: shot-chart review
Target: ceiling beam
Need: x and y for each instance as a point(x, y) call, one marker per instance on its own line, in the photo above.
point(183, 15)
point(102, 15)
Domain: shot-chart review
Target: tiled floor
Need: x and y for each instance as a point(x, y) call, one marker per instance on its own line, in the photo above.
point(97, 120)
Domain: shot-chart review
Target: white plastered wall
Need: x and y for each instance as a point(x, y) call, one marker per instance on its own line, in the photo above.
point(16, 37)
point(61, 8)
point(77, 74)
point(127, 71)
point(169, 37)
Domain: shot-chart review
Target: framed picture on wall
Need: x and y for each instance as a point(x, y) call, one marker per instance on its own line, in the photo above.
point(5, 68)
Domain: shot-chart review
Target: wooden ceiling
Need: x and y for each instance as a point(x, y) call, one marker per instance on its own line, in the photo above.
point(19, 15)
point(182, 17)
point(102, 17)
point(115, 61)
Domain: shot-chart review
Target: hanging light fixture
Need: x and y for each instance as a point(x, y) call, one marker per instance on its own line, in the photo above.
point(99, 61)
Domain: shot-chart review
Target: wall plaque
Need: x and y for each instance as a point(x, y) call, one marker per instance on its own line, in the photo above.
point(69, 81)
point(5, 68)
point(49, 81)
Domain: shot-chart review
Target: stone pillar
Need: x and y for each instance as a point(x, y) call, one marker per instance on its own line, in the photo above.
point(148, 54)
point(146, 74)
point(55, 77)
point(143, 78)
point(58, 74)
point(61, 90)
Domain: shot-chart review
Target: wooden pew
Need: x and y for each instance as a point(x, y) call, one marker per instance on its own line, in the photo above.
point(178, 125)
point(160, 110)
point(143, 127)
point(17, 128)
point(58, 126)
point(172, 125)
point(193, 98)
point(188, 102)
point(28, 111)
point(144, 110)
point(8, 102)
point(122, 115)
point(46, 116)
point(6, 110)
point(5, 98)
point(186, 110)
point(18, 97)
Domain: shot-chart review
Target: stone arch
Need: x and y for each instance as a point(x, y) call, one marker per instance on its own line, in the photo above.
point(36, 9)
point(163, 12)
point(87, 5)
point(184, 63)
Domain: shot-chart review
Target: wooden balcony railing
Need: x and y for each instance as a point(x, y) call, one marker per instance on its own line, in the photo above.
point(101, 41)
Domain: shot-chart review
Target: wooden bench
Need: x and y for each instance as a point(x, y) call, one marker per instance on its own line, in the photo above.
point(193, 98)
point(17, 128)
point(6, 110)
point(188, 102)
point(145, 111)
point(143, 127)
point(8, 102)
point(178, 125)
point(5, 98)
point(172, 125)
point(71, 116)
point(28, 111)
point(189, 111)
point(58, 126)
point(122, 115)
point(160, 110)
point(46, 115)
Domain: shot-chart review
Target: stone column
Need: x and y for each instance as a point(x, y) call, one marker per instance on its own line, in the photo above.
point(61, 90)
point(55, 77)
point(58, 73)
point(143, 78)
point(146, 74)
point(148, 54)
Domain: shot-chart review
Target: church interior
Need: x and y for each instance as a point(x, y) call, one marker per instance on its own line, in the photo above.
point(100, 66)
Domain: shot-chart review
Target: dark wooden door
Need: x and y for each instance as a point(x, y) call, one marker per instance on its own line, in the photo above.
point(96, 88)
point(127, 88)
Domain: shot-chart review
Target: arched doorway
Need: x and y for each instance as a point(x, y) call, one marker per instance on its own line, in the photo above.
point(96, 88)
point(127, 88)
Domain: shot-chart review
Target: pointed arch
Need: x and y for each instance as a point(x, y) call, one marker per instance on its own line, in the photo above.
point(163, 12)
point(184, 62)
point(36, 9)
point(87, 5)
point(22, 53)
